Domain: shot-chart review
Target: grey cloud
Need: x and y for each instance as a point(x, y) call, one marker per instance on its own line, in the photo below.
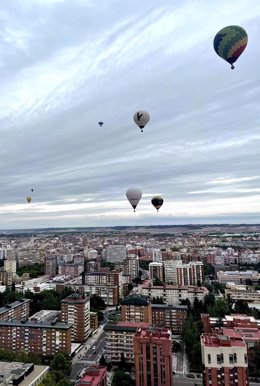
point(68, 65)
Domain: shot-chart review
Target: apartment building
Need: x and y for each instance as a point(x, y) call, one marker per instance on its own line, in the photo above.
point(156, 271)
point(50, 265)
point(94, 321)
point(45, 339)
point(225, 361)
point(171, 294)
point(105, 278)
point(190, 274)
point(119, 339)
point(75, 309)
point(136, 309)
point(171, 317)
point(16, 310)
point(131, 266)
point(153, 357)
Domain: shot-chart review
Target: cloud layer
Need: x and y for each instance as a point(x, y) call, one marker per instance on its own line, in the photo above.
point(64, 66)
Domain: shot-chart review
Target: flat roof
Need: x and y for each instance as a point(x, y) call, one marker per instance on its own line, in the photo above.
point(38, 370)
point(215, 340)
point(13, 305)
point(28, 323)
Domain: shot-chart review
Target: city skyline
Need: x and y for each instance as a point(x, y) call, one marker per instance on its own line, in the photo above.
point(64, 67)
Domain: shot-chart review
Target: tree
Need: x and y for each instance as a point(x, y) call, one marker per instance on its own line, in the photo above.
point(219, 309)
point(64, 382)
point(158, 282)
point(241, 307)
point(13, 286)
point(122, 365)
point(61, 362)
point(97, 303)
point(122, 379)
point(137, 280)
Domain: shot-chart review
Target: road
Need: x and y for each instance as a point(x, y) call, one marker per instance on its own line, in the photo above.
point(92, 349)
point(179, 380)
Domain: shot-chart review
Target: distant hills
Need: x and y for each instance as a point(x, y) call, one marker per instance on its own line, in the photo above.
point(152, 229)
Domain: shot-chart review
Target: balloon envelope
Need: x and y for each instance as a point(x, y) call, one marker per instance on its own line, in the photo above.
point(100, 123)
point(134, 196)
point(31, 190)
point(230, 42)
point(141, 118)
point(157, 202)
point(29, 199)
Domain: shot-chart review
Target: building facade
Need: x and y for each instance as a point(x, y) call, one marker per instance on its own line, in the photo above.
point(224, 361)
point(45, 339)
point(169, 316)
point(153, 357)
point(75, 309)
point(136, 309)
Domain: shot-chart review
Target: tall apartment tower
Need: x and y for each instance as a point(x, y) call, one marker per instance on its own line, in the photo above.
point(224, 360)
point(190, 274)
point(156, 271)
point(50, 265)
point(75, 309)
point(153, 357)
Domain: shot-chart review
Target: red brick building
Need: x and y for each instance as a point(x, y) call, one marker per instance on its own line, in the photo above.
point(153, 357)
point(94, 376)
point(75, 309)
point(224, 360)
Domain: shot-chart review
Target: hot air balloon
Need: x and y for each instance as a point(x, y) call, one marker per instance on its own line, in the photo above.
point(157, 202)
point(230, 42)
point(134, 196)
point(100, 124)
point(31, 190)
point(141, 118)
point(29, 199)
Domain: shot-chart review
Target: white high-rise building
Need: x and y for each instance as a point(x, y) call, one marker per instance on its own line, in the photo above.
point(170, 271)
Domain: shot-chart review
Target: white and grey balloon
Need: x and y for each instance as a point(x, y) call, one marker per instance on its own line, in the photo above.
point(141, 118)
point(134, 196)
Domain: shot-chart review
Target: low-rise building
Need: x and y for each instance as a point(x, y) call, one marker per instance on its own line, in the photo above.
point(171, 294)
point(237, 277)
point(93, 376)
point(22, 374)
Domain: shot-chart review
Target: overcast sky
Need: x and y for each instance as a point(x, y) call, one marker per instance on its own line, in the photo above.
point(66, 65)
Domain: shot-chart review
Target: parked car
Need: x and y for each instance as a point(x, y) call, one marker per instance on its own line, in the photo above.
point(190, 375)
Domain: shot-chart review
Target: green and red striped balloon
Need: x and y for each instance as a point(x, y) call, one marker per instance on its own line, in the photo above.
point(230, 42)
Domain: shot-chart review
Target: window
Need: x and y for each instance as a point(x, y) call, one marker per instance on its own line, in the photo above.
point(245, 358)
point(231, 358)
point(209, 358)
point(235, 358)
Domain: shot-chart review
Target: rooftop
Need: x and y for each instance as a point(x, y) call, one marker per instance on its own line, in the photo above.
point(137, 299)
point(13, 305)
point(40, 324)
point(215, 340)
